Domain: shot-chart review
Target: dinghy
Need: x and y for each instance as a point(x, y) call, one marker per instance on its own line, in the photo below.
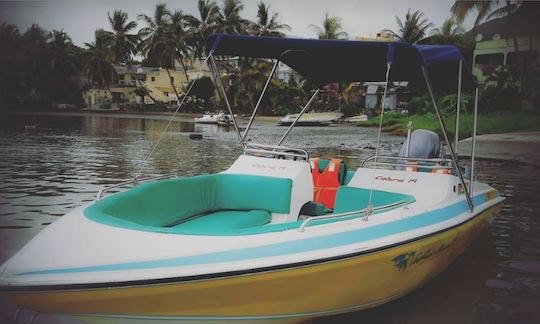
point(311, 119)
point(277, 235)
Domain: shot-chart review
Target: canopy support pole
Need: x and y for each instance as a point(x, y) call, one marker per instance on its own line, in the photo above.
point(298, 117)
point(475, 121)
point(458, 107)
point(445, 134)
point(217, 78)
point(263, 92)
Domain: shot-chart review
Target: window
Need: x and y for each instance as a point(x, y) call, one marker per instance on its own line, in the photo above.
point(489, 59)
point(166, 93)
point(153, 79)
point(527, 57)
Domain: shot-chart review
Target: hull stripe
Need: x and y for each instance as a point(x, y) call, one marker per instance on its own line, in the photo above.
point(284, 248)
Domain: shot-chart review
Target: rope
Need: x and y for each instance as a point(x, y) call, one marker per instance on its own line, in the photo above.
point(370, 205)
point(173, 115)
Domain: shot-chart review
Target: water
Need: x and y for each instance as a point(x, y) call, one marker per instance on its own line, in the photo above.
point(62, 162)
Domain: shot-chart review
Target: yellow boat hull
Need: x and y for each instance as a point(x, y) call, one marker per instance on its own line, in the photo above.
point(331, 287)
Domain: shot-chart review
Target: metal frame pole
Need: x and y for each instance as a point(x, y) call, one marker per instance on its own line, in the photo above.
point(458, 107)
point(475, 120)
point(217, 78)
point(445, 134)
point(263, 92)
point(298, 117)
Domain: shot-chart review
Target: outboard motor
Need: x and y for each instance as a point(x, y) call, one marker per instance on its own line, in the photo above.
point(423, 144)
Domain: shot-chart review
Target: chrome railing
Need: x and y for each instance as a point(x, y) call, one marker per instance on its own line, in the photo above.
point(366, 212)
point(401, 162)
point(275, 151)
point(132, 183)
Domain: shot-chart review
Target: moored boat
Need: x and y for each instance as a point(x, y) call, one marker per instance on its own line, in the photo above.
point(210, 118)
point(277, 235)
point(311, 119)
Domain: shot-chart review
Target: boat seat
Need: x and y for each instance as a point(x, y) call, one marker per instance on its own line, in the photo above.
point(164, 203)
point(225, 220)
point(351, 199)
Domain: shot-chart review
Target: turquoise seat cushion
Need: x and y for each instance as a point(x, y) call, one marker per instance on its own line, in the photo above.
point(225, 220)
point(352, 199)
point(166, 202)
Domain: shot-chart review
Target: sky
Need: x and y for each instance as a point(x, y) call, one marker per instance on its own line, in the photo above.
point(79, 19)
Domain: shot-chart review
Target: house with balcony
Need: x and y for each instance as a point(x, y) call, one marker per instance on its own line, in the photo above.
point(495, 41)
point(157, 81)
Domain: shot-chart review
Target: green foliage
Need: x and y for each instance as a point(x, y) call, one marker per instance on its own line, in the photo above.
point(350, 110)
point(283, 99)
point(203, 88)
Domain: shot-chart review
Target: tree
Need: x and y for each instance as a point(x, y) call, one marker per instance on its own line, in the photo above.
point(230, 20)
point(152, 34)
point(331, 28)
point(174, 44)
point(450, 33)
point(203, 27)
point(414, 28)
point(11, 44)
point(203, 88)
point(97, 60)
point(267, 24)
point(124, 44)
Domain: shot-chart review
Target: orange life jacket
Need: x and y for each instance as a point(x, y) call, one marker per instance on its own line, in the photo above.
point(411, 167)
point(325, 183)
point(441, 171)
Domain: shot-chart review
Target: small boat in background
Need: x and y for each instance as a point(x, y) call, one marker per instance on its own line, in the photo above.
point(357, 118)
point(311, 119)
point(210, 118)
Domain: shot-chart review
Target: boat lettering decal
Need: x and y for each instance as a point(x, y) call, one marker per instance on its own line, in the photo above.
point(405, 259)
point(271, 167)
point(400, 180)
point(492, 194)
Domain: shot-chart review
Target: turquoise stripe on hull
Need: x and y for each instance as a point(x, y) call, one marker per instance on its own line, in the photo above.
point(289, 247)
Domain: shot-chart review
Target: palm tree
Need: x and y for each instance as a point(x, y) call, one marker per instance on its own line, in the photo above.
point(63, 61)
point(201, 28)
point(450, 33)
point(11, 44)
point(247, 80)
point(124, 44)
point(267, 24)
point(97, 60)
point(331, 28)
point(229, 20)
point(449, 28)
point(414, 28)
point(152, 34)
point(174, 44)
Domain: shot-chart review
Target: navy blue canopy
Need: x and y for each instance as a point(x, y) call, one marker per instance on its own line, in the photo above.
point(325, 61)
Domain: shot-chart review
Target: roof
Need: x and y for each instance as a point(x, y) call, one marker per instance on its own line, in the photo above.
point(325, 61)
point(523, 22)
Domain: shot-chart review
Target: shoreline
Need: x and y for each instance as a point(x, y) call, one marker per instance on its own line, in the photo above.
point(157, 115)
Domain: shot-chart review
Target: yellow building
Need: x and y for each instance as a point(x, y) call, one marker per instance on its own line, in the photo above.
point(156, 80)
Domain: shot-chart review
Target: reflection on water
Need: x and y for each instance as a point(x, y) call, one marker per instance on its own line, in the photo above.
point(64, 161)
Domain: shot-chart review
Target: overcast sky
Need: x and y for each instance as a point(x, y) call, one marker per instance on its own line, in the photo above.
point(359, 18)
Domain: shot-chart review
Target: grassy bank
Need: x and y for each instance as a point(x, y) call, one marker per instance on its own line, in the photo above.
point(487, 123)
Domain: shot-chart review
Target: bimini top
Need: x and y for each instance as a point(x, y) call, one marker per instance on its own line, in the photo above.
point(325, 61)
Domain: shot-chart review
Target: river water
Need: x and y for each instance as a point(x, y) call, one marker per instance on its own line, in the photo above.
point(50, 164)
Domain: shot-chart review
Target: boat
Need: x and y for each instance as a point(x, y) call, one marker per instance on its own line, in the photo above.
point(211, 118)
point(311, 119)
point(279, 235)
point(357, 118)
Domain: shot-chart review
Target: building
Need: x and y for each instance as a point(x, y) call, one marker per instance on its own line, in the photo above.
point(495, 40)
point(158, 82)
